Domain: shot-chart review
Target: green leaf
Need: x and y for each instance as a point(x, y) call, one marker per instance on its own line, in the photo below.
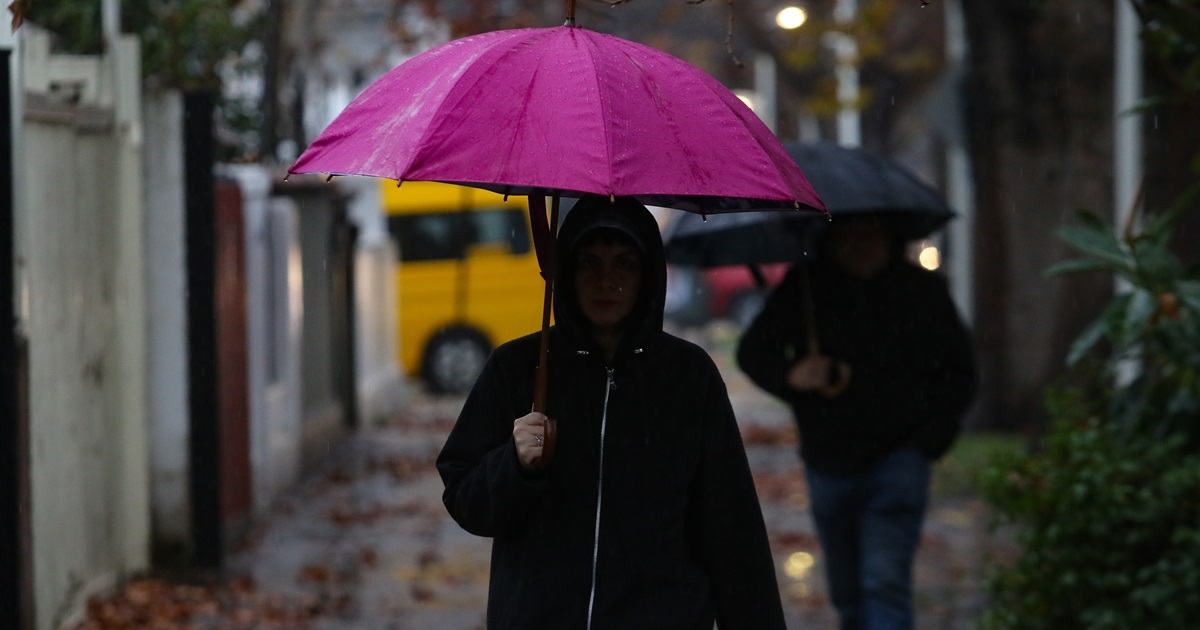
point(1114, 314)
point(1109, 324)
point(1078, 265)
point(1157, 266)
point(1136, 319)
point(1088, 338)
point(1100, 243)
point(1144, 105)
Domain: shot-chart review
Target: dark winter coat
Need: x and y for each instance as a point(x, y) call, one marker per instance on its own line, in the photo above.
point(647, 517)
point(912, 365)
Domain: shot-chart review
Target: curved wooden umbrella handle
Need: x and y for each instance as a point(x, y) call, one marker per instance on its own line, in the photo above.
point(540, 385)
point(549, 444)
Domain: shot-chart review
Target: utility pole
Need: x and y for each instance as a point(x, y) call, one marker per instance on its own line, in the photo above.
point(765, 90)
point(110, 21)
point(845, 48)
point(960, 187)
point(1127, 140)
point(1127, 124)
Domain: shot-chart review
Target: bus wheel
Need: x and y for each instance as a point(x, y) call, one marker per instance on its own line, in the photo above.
point(453, 359)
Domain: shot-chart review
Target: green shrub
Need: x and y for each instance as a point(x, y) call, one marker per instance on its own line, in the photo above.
point(1109, 527)
point(1106, 510)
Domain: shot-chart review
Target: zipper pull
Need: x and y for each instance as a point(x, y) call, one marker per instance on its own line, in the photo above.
point(612, 384)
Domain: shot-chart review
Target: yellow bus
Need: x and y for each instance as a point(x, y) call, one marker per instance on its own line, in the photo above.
point(467, 278)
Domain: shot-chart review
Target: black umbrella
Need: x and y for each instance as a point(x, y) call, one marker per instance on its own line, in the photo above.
point(851, 181)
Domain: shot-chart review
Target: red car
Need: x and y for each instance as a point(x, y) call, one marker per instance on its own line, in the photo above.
point(696, 296)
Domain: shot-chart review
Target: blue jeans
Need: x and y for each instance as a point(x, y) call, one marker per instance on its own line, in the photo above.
point(869, 525)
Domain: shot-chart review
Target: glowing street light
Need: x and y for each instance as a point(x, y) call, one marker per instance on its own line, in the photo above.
point(791, 18)
point(930, 258)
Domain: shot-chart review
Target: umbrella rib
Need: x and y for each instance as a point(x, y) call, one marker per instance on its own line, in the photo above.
point(711, 85)
point(512, 141)
point(604, 114)
point(661, 105)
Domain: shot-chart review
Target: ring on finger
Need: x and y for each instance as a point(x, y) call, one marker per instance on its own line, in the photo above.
point(538, 440)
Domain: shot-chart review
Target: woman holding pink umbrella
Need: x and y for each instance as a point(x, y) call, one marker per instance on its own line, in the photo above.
point(647, 517)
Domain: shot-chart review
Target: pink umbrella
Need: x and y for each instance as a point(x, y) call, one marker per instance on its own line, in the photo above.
point(533, 111)
point(562, 111)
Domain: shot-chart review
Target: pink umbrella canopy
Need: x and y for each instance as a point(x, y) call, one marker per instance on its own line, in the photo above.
point(566, 111)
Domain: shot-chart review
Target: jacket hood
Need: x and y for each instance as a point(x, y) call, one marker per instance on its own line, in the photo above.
point(625, 214)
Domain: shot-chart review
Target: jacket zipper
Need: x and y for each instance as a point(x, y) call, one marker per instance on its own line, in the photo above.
point(608, 387)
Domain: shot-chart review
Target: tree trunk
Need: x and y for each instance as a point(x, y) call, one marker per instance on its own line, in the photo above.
point(1041, 136)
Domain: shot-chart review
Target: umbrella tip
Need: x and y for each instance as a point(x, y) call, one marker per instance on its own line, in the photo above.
point(612, 198)
point(286, 175)
point(399, 182)
point(329, 179)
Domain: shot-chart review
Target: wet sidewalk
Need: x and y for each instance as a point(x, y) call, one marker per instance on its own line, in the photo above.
point(368, 540)
point(365, 544)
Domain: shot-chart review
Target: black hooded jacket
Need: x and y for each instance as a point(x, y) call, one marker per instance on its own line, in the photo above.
point(648, 516)
point(912, 365)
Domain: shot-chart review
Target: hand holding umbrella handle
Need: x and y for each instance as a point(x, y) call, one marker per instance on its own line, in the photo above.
point(837, 379)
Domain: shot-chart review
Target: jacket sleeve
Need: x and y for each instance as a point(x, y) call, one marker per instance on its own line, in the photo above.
point(486, 490)
point(768, 348)
point(952, 380)
point(731, 534)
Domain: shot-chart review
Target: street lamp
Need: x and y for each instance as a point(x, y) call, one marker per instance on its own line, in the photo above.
point(791, 18)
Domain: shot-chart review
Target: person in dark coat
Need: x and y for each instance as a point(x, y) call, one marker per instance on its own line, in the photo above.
point(647, 516)
point(877, 394)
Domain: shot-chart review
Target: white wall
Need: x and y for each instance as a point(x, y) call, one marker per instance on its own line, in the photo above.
point(382, 387)
point(80, 271)
point(166, 306)
point(282, 420)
